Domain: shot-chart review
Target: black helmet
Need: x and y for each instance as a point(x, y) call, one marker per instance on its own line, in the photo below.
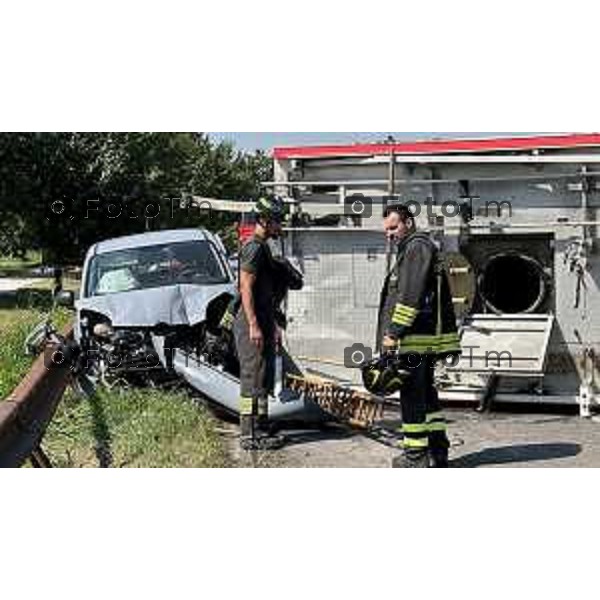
point(288, 274)
point(383, 376)
point(271, 208)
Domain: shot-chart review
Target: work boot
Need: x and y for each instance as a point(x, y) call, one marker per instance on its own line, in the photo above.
point(411, 460)
point(267, 436)
point(248, 433)
point(256, 435)
point(266, 431)
point(262, 442)
point(269, 442)
point(438, 450)
point(249, 445)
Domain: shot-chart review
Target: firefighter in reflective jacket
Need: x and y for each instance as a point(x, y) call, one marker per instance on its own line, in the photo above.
point(418, 326)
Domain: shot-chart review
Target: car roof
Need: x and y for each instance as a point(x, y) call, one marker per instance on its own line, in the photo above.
point(155, 238)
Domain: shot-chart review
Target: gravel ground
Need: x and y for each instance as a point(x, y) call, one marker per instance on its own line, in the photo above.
point(492, 440)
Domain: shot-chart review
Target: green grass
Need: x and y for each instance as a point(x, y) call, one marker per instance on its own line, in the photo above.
point(137, 428)
point(18, 315)
point(15, 325)
point(14, 364)
point(9, 264)
point(134, 428)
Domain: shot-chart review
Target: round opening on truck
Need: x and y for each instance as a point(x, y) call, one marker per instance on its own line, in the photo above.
point(512, 284)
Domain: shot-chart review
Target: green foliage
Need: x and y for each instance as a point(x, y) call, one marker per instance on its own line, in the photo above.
point(132, 168)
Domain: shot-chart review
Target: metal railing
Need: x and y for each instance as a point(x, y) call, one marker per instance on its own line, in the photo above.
point(27, 412)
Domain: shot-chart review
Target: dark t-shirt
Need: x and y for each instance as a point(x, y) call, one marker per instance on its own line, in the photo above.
point(256, 259)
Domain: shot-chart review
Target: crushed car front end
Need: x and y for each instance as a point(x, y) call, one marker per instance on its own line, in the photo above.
point(150, 313)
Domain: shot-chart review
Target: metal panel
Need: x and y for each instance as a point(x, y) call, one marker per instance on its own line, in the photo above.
point(338, 307)
point(544, 200)
point(515, 345)
point(368, 270)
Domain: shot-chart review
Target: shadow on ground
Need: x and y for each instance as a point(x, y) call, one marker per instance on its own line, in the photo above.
point(322, 434)
point(526, 453)
point(101, 432)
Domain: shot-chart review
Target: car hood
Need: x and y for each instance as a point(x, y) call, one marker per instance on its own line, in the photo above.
point(175, 305)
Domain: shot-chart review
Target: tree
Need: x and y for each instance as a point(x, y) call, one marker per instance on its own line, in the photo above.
point(90, 176)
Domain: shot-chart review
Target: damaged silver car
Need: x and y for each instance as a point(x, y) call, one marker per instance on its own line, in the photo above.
point(150, 312)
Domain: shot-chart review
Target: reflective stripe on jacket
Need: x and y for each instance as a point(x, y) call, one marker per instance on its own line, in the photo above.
point(416, 304)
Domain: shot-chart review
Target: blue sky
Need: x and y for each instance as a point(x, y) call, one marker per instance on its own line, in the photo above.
point(268, 140)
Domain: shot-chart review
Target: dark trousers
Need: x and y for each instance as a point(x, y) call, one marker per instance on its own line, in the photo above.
point(257, 368)
point(424, 426)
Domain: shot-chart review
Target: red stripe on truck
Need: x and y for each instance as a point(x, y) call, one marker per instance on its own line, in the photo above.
point(507, 144)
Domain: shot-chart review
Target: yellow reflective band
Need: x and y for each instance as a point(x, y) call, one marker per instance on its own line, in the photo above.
point(415, 429)
point(438, 350)
point(431, 343)
point(437, 427)
point(416, 444)
point(438, 416)
point(375, 377)
point(263, 408)
point(246, 406)
point(409, 310)
point(227, 321)
point(434, 339)
point(402, 321)
point(425, 350)
point(404, 315)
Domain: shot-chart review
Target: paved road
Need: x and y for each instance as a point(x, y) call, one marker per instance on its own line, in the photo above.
point(495, 440)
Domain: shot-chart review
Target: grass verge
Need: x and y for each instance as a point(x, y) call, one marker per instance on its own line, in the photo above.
point(134, 428)
point(9, 265)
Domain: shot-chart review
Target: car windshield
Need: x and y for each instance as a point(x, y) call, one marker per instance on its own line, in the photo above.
point(192, 263)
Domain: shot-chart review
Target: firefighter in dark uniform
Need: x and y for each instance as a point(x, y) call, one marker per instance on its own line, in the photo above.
point(257, 334)
point(418, 327)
